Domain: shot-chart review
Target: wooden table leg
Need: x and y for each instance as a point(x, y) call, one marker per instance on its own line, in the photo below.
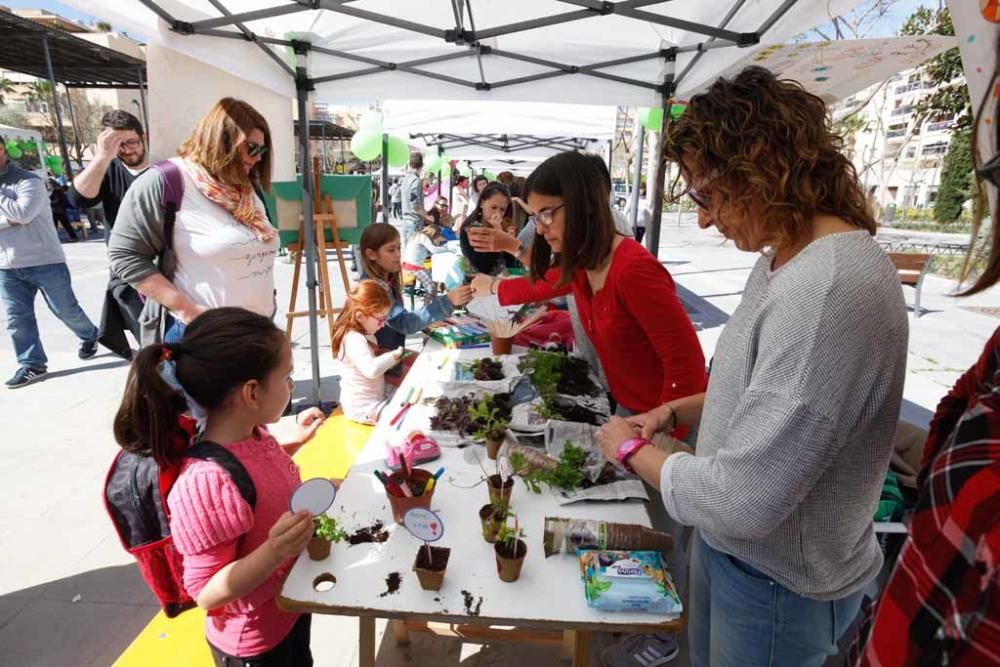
point(581, 649)
point(568, 645)
point(400, 632)
point(366, 641)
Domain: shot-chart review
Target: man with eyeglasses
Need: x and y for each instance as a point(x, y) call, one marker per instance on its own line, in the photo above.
point(121, 158)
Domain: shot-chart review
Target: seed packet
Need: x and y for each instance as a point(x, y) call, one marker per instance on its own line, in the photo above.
point(628, 581)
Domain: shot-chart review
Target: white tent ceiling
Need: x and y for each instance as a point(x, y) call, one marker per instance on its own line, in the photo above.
point(580, 51)
point(837, 70)
point(503, 130)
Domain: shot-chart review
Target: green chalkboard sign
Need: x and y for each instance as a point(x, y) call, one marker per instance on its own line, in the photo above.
point(352, 203)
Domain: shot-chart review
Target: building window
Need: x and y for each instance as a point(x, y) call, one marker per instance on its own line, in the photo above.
point(911, 151)
point(937, 148)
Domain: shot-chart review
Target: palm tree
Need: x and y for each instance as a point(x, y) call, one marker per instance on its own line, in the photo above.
point(6, 87)
point(40, 91)
point(103, 26)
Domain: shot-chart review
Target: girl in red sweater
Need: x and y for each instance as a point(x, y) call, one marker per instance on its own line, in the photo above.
point(626, 299)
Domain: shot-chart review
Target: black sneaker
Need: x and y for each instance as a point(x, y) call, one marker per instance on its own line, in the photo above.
point(88, 349)
point(25, 376)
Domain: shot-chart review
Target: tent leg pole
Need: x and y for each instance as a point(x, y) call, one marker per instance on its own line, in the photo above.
point(55, 102)
point(309, 226)
point(386, 204)
point(76, 128)
point(142, 102)
point(653, 233)
point(633, 204)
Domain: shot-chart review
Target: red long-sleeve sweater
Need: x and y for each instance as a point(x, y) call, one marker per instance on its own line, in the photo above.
point(645, 340)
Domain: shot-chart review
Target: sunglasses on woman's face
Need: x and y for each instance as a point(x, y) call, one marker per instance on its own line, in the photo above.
point(256, 150)
point(698, 196)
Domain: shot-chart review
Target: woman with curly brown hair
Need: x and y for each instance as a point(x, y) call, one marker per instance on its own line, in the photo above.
point(796, 427)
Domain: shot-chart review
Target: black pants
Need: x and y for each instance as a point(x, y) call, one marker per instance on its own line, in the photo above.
point(60, 217)
point(639, 233)
point(293, 651)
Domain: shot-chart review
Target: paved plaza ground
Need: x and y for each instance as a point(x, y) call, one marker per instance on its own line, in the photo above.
point(69, 594)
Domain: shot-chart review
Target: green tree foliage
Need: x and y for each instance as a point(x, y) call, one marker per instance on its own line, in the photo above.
point(944, 71)
point(956, 177)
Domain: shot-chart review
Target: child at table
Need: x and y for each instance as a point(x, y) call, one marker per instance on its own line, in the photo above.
point(233, 369)
point(381, 261)
point(362, 384)
point(423, 244)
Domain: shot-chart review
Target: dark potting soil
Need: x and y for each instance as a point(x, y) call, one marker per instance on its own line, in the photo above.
point(519, 550)
point(438, 559)
point(487, 369)
point(574, 379)
point(572, 412)
point(496, 481)
point(375, 533)
point(467, 598)
point(392, 583)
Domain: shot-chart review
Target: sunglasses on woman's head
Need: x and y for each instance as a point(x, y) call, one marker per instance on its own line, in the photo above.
point(256, 150)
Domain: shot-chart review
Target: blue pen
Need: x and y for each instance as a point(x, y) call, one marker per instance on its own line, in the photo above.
point(440, 471)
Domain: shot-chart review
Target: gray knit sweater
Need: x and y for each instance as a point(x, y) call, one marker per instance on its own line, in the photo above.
point(799, 419)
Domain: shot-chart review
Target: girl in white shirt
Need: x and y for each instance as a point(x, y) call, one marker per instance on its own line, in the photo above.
point(422, 245)
point(363, 393)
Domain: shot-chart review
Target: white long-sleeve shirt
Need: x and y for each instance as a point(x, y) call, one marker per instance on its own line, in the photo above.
point(362, 383)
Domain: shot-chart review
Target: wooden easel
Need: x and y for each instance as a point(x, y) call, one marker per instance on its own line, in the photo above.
point(323, 219)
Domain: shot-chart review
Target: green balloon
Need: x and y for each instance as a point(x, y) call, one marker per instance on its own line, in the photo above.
point(57, 169)
point(399, 152)
point(677, 110)
point(366, 145)
point(431, 162)
point(10, 145)
point(463, 168)
point(14, 151)
point(651, 119)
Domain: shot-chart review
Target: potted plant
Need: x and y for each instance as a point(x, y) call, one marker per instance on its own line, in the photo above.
point(499, 489)
point(487, 369)
point(492, 516)
point(492, 426)
point(430, 566)
point(565, 473)
point(325, 533)
point(510, 551)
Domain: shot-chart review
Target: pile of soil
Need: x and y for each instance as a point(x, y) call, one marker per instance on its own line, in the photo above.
point(467, 598)
point(392, 583)
point(373, 534)
point(574, 379)
point(571, 412)
point(437, 561)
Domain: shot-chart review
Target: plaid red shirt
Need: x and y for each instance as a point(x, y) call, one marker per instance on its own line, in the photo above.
point(942, 603)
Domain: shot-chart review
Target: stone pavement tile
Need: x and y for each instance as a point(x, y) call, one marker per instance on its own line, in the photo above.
point(48, 633)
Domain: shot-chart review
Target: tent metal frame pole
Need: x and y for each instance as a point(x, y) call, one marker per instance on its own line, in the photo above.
point(309, 242)
point(76, 128)
point(633, 200)
point(385, 178)
point(232, 19)
point(653, 229)
point(440, 172)
point(55, 101)
point(142, 101)
point(710, 44)
point(611, 157)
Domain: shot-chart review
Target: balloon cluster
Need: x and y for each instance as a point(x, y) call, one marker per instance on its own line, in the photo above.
point(652, 119)
point(366, 143)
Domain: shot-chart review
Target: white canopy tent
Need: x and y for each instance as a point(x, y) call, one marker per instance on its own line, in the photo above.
point(629, 52)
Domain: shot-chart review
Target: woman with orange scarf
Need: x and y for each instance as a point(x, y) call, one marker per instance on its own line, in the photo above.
point(222, 247)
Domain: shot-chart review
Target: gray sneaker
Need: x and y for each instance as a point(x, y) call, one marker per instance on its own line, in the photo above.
point(25, 376)
point(641, 651)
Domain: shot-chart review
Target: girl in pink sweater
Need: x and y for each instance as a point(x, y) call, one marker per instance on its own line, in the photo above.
point(232, 369)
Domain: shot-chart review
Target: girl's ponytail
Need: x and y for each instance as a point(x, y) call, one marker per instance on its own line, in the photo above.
point(147, 419)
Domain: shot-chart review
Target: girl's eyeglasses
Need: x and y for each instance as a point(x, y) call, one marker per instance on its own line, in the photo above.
point(544, 217)
point(256, 150)
point(380, 320)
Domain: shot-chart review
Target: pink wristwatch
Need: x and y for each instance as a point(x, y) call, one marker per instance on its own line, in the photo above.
point(627, 449)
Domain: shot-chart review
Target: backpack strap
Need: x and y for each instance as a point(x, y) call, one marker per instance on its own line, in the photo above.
point(173, 195)
point(207, 450)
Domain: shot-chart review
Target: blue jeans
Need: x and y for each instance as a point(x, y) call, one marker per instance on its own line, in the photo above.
point(739, 616)
point(18, 288)
point(174, 330)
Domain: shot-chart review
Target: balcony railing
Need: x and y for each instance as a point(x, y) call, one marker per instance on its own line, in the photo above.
point(907, 87)
point(902, 111)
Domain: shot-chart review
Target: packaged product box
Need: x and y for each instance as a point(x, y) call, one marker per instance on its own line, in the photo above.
point(628, 581)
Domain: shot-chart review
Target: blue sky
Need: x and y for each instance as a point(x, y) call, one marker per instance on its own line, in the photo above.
point(889, 25)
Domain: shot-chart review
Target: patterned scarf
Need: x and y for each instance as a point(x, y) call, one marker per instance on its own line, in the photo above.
point(239, 201)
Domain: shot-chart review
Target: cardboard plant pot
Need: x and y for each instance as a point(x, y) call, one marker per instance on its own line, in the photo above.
point(400, 505)
point(493, 444)
point(319, 548)
point(491, 521)
point(500, 492)
point(509, 561)
point(430, 572)
point(501, 345)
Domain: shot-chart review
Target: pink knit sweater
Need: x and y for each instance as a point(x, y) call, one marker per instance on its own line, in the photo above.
point(212, 526)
